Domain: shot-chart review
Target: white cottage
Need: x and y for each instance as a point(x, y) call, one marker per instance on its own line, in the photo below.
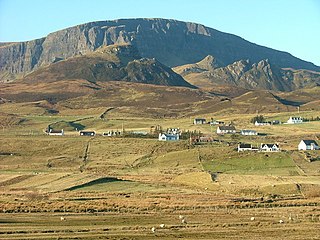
point(262, 123)
point(308, 145)
point(174, 131)
point(226, 130)
point(168, 137)
point(248, 132)
point(294, 120)
point(266, 147)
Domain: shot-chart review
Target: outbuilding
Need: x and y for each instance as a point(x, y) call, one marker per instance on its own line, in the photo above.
point(87, 133)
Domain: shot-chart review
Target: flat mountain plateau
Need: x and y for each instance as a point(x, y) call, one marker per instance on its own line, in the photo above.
point(113, 76)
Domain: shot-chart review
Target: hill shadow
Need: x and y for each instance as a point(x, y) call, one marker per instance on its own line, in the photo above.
point(288, 102)
point(96, 181)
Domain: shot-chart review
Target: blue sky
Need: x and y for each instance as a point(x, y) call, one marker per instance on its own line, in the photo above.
point(287, 25)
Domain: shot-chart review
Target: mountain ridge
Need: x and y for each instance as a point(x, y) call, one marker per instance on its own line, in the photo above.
point(243, 73)
point(172, 42)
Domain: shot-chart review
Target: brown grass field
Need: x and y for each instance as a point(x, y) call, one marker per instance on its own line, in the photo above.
point(122, 187)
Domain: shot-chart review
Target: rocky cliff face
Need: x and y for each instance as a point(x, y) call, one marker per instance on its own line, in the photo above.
point(260, 75)
point(171, 42)
point(109, 63)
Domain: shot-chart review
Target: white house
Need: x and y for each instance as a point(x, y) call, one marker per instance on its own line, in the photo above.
point(168, 137)
point(226, 130)
point(174, 131)
point(266, 147)
point(308, 145)
point(197, 121)
point(294, 120)
point(262, 123)
point(248, 132)
point(55, 132)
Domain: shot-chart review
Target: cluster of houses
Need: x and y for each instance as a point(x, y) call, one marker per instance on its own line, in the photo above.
point(174, 134)
point(200, 121)
point(266, 147)
point(221, 130)
point(291, 120)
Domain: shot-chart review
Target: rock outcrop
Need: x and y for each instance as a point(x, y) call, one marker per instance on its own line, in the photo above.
point(261, 75)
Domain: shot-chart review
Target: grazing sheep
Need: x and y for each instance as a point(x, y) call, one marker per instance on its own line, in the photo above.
point(252, 218)
point(181, 217)
point(184, 221)
point(153, 229)
point(281, 221)
point(162, 225)
point(62, 219)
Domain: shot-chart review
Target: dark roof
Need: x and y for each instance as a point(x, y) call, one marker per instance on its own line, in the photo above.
point(245, 145)
point(170, 135)
point(269, 145)
point(309, 142)
point(226, 128)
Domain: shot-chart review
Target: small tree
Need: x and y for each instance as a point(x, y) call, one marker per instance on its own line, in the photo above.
point(258, 118)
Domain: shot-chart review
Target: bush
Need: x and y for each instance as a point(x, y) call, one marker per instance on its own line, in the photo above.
point(258, 118)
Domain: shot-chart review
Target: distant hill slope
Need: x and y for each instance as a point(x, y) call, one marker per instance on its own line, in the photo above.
point(262, 75)
point(172, 42)
point(111, 63)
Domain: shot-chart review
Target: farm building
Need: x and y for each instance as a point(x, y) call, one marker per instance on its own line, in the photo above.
point(87, 133)
point(294, 120)
point(244, 147)
point(226, 130)
point(248, 132)
point(198, 121)
point(168, 137)
point(56, 132)
point(308, 145)
point(266, 147)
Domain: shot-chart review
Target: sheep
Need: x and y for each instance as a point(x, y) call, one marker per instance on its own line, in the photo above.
point(252, 218)
point(184, 221)
point(162, 225)
point(181, 217)
point(62, 218)
point(281, 221)
point(153, 229)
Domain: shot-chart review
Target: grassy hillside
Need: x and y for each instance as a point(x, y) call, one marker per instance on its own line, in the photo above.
point(123, 186)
